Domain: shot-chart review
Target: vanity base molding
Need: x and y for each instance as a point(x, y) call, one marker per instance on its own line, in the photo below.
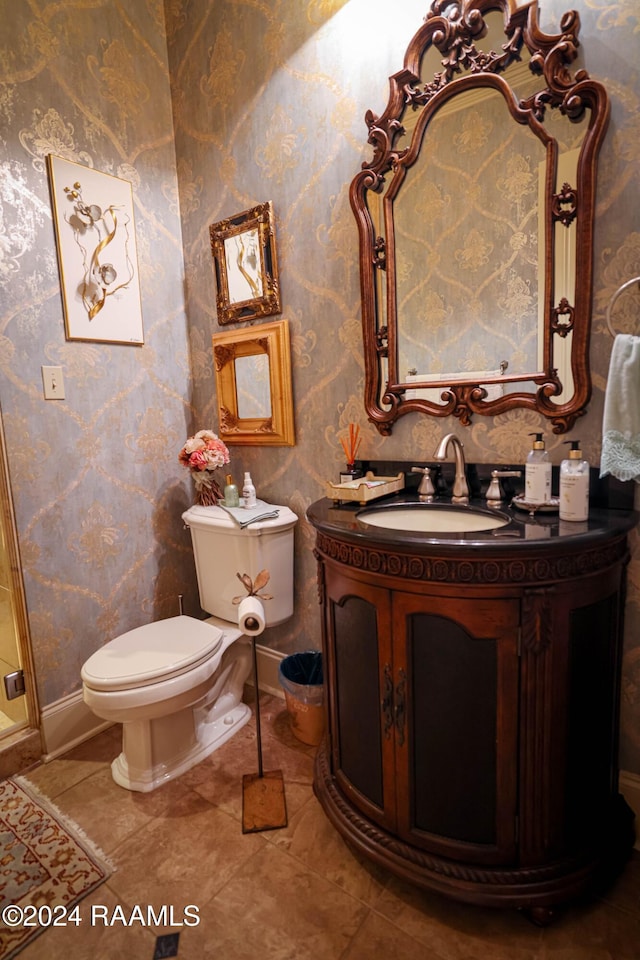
point(537, 890)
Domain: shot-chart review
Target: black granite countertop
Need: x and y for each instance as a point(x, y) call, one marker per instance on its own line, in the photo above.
point(541, 531)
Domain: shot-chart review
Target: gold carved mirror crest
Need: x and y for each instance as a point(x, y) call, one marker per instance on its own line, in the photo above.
point(475, 220)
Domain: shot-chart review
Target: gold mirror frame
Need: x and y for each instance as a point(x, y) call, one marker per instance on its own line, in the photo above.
point(271, 341)
point(246, 265)
point(455, 30)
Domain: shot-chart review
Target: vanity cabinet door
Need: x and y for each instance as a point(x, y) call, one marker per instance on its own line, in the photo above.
point(570, 668)
point(358, 665)
point(456, 683)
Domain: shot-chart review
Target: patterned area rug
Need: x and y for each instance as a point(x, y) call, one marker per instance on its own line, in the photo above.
point(47, 865)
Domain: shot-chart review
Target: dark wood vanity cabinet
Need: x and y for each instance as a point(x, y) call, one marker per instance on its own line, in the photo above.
point(425, 710)
point(472, 702)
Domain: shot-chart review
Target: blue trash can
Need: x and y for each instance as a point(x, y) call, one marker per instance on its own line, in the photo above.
point(300, 676)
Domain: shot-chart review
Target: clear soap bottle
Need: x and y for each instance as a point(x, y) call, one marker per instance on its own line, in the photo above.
point(231, 497)
point(574, 485)
point(537, 472)
point(248, 491)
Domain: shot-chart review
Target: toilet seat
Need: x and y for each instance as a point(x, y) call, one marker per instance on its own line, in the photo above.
point(152, 653)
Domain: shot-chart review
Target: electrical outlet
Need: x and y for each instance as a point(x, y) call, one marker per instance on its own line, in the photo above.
point(53, 382)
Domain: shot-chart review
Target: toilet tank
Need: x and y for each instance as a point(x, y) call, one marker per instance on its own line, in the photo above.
point(222, 549)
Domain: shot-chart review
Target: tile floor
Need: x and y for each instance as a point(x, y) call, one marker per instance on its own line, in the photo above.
point(292, 894)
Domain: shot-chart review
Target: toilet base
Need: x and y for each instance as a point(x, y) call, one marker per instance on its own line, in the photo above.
point(148, 758)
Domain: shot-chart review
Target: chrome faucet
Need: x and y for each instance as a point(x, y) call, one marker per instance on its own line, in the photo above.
point(460, 485)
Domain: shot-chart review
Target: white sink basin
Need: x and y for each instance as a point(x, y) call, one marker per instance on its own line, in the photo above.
point(433, 518)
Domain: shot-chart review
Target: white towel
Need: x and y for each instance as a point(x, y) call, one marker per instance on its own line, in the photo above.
point(246, 515)
point(621, 420)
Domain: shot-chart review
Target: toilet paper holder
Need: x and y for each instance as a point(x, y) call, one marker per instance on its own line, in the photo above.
point(264, 806)
point(251, 619)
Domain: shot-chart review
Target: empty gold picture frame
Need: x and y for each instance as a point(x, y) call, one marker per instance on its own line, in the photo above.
point(97, 255)
point(253, 382)
point(246, 267)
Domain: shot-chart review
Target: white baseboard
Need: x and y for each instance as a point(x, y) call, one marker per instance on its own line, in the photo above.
point(629, 784)
point(268, 663)
point(66, 723)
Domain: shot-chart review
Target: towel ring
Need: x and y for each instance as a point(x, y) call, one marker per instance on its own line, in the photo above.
point(620, 290)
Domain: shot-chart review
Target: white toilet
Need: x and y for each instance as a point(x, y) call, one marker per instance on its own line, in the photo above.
point(176, 685)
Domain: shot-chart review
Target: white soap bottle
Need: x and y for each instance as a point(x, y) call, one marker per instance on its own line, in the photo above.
point(574, 485)
point(248, 491)
point(537, 472)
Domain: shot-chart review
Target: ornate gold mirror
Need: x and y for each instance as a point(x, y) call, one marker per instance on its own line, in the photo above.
point(252, 370)
point(475, 220)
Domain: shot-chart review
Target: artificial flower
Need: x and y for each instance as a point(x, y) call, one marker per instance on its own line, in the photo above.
point(204, 451)
point(203, 454)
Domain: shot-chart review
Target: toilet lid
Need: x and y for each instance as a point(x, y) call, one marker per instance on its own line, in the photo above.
point(153, 652)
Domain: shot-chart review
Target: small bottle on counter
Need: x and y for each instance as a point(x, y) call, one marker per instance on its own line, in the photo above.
point(537, 472)
point(351, 473)
point(231, 496)
point(574, 485)
point(248, 491)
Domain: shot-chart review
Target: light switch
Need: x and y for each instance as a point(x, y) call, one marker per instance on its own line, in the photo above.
point(53, 383)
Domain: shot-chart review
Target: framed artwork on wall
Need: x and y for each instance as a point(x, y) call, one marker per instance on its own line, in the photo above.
point(244, 256)
point(253, 382)
point(97, 254)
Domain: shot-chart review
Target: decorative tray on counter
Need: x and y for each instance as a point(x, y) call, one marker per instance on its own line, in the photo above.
point(549, 506)
point(366, 488)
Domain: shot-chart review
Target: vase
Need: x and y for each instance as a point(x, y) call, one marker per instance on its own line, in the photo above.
point(208, 493)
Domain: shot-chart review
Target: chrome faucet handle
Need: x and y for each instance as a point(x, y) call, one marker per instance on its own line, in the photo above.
point(426, 491)
point(494, 493)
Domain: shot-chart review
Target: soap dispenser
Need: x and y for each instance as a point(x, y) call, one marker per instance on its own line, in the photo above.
point(249, 491)
point(231, 497)
point(537, 472)
point(574, 485)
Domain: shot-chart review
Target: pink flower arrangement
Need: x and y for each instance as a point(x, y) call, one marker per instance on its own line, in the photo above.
point(203, 454)
point(205, 451)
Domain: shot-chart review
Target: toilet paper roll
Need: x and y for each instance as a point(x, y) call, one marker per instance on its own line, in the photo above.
point(251, 616)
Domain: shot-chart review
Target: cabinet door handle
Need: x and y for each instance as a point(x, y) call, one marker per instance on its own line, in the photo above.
point(387, 701)
point(401, 690)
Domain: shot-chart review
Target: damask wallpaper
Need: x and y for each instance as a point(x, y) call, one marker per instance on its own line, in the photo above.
point(96, 484)
point(209, 108)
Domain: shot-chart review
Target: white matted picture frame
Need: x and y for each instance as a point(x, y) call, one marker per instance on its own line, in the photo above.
point(97, 255)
